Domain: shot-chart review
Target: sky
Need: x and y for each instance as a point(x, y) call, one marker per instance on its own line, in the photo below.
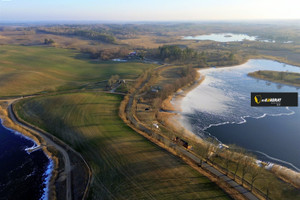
point(147, 10)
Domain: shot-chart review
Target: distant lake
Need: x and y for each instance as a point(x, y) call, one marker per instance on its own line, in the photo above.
point(220, 107)
point(229, 37)
point(23, 175)
point(222, 37)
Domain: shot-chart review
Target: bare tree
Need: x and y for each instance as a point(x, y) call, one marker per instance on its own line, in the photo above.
point(255, 172)
point(204, 152)
point(245, 166)
point(227, 159)
point(269, 184)
point(213, 149)
point(238, 155)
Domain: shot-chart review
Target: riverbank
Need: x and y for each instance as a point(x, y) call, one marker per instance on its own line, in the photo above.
point(52, 168)
point(282, 172)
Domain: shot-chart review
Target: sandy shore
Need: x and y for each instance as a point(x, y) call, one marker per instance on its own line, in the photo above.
point(171, 118)
point(172, 103)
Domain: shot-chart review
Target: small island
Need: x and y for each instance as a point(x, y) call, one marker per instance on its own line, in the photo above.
point(228, 36)
point(288, 78)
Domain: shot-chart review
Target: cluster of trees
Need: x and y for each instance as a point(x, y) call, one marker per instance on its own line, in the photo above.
point(237, 160)
point(106, 54)
point(88, 34)
point(173, 53)
point(48, 41)
point(188, 74)
point(112, 53)
point(176, 54)
point(113, 80)
point(226, 59)
point(221, 58)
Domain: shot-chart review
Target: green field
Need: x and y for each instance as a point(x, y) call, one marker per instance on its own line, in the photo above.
point(125, 165)
point(31, 69)
point(288, 78)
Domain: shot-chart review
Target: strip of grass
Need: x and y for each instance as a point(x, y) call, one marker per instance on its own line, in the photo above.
point(31, 69)
point(125, 165)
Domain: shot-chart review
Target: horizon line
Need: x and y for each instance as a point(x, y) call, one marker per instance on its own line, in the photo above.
point(142, 21)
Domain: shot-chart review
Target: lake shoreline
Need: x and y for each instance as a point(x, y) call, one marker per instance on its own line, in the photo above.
point(171, 109)
point(174, 122)
point(51, 170)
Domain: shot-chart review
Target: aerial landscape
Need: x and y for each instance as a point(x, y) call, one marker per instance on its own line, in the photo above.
point(149, 100)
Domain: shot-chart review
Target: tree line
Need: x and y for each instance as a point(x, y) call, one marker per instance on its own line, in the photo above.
point(105, 54)
point(88, 34)
point(173, 53)
point(241, 165)
point(179, 55)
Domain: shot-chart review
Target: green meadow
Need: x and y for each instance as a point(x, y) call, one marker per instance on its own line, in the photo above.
point(32, 69)
point(125, 165)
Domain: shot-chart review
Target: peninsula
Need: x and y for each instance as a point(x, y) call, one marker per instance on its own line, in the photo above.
point(288, 78)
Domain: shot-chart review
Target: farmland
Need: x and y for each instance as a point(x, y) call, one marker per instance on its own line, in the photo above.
point(31, 69)
point(125, 165)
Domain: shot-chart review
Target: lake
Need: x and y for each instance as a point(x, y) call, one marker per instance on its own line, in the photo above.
point(229, 37)
point(222, 37)
point(23, 175)
point(220, 107)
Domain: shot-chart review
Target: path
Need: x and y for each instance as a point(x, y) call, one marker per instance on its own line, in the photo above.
point(49, 141)
point(249, 195)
